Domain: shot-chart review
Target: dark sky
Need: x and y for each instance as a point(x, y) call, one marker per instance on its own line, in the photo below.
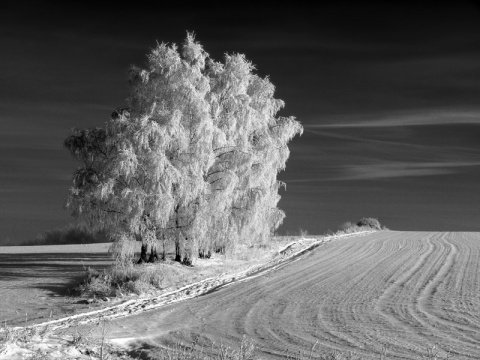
point(389, 95)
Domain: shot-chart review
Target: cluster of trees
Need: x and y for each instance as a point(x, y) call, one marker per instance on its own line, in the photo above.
point(192, 159)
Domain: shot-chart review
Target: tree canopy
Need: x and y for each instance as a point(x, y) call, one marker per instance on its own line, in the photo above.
point(191, 159)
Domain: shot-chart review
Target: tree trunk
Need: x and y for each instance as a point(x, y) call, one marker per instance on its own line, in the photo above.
point(187, 261)
point(220, 249)
point(178, 254)
point(143, 254)
point(204, 254)
point(187, 254)
point(153, 255)
point(178, 250)
point(164, 252)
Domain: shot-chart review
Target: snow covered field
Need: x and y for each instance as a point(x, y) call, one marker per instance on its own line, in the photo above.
point(395, 293)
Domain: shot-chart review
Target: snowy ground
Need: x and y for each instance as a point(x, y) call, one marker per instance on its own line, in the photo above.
point(59, 335)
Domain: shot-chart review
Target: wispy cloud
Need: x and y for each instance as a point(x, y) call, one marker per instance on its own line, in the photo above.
point(396, 170)
point(403, 118)
point(390, 170)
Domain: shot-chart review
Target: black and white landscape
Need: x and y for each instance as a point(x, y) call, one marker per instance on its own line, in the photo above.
point(162, 167)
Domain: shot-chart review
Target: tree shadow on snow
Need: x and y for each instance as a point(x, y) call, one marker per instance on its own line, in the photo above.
point(65, 270)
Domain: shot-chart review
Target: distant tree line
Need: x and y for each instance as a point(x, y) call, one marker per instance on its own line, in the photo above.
point(70, 234)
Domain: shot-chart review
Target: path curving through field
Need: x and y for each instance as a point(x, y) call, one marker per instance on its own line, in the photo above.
point(399, 293)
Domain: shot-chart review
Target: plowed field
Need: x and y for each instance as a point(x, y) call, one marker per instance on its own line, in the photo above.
point(398, 293)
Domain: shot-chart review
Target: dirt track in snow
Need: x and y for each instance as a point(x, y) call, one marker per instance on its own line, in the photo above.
point(398, 292)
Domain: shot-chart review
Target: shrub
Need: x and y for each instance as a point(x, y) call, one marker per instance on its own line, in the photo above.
point(138, 287)
point(348, 227)
point(361, 225)
point(130, 278)
point(370, 223)
point(302, 232)
point(96, 283)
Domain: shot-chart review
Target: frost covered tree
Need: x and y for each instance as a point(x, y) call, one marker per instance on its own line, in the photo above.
point(192, 159)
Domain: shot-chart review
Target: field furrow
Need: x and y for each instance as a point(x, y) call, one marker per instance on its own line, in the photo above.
point(396, 292)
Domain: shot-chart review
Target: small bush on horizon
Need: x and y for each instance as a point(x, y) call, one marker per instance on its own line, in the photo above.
point(369, 222)
point(361, 225)
point(348, 227)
